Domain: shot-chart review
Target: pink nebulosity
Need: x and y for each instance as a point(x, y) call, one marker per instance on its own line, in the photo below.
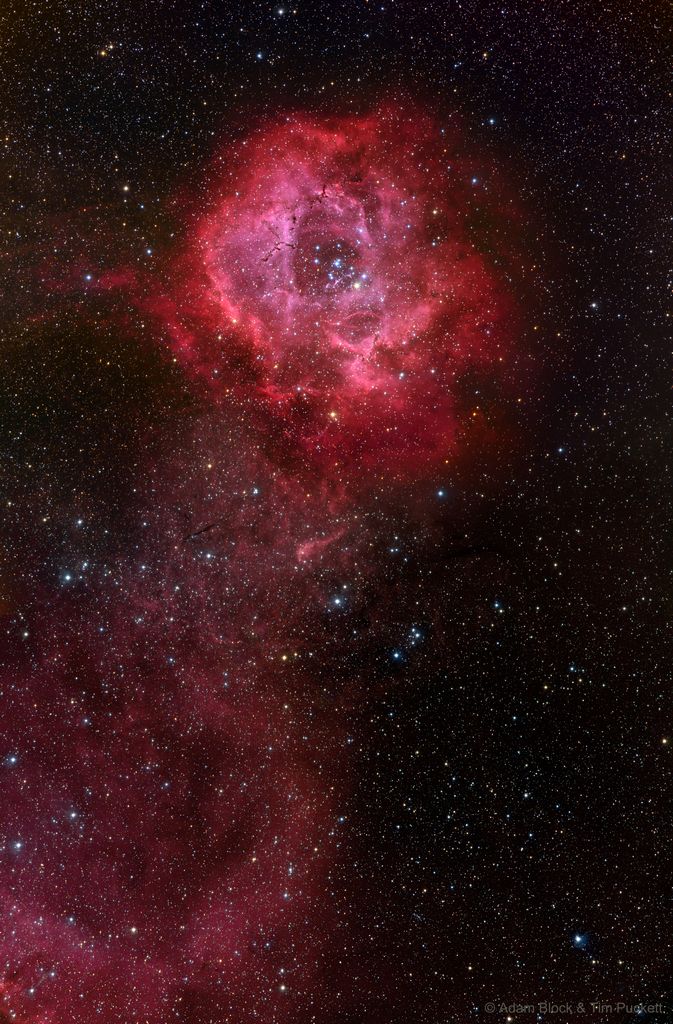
point(341, 256)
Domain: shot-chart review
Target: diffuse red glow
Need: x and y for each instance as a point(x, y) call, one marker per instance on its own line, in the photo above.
point(334, 297)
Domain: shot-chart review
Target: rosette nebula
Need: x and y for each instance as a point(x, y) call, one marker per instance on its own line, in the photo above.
point(350, 259)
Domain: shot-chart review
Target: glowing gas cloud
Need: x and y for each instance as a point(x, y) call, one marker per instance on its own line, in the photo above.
point(348, 260)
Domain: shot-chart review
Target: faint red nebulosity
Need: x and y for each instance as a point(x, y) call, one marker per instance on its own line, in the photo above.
point(343, 296)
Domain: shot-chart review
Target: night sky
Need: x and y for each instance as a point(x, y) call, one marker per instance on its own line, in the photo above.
point(335, 557)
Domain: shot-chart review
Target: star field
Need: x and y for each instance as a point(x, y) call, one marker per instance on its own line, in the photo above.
point(335, 563)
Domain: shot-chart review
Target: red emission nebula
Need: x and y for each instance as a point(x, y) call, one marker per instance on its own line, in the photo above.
point(176, 811)
point(339, 256)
